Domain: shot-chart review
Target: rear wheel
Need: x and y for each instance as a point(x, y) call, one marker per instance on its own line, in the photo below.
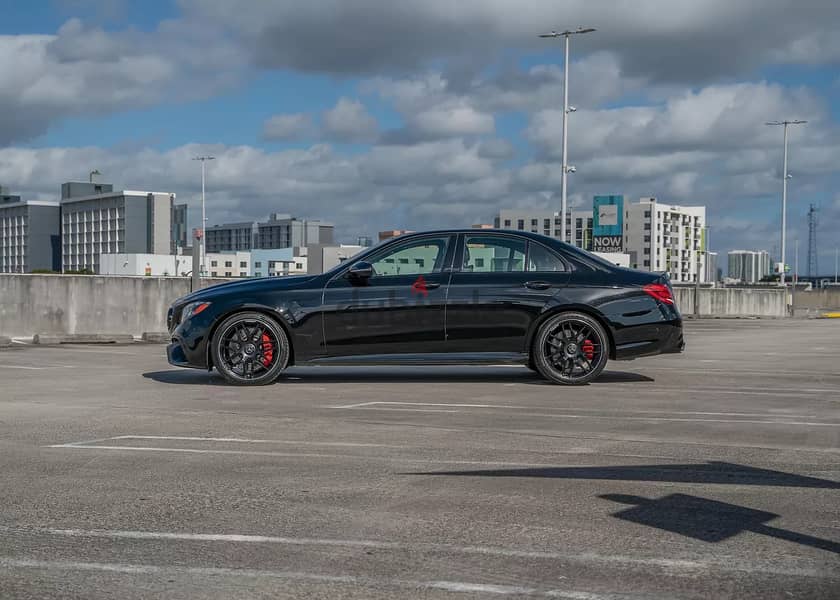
point(250, 349)
point(571, 348)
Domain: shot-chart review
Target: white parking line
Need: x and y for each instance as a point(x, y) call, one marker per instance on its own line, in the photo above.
point(241, 441)
point(674, 565)
point(625, 418)
point(575, 408)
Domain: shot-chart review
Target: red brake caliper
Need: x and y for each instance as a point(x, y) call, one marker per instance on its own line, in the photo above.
point(267, 350)
point(588, 349)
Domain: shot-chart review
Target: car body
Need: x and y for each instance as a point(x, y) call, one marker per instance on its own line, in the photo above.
point(443, 296)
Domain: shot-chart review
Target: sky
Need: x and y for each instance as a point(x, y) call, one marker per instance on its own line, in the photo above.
point(377, 114)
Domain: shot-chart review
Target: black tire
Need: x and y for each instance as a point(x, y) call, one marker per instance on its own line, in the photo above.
point(250, 348)
point(561, 352)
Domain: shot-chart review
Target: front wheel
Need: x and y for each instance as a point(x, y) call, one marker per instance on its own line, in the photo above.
point(250, 348)
point(571, 348)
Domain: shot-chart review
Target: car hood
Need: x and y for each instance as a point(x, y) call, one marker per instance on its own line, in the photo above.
point(247, 285)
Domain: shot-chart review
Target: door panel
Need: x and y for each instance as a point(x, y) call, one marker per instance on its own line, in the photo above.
point(496, 291)
point(399, 309)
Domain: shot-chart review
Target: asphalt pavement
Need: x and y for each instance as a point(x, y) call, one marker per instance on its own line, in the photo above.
point(711, 474)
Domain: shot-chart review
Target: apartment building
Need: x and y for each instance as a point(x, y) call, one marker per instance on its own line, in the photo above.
point(29, 234)
point(229, 264)
point(748, 266)
point(578, 224)
point(279, 231)
point(97, 220)
point(666, 238)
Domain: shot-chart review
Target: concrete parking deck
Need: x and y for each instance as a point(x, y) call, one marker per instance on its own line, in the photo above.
point(711, 474)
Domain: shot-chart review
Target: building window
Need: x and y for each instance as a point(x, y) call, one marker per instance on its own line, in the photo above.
point(214, 274)
point(546, 223)
point(228, 274)
point(214, 263)
point(647, 214)
point(507, 222)
point(534, 222)
point(228, 263)
point(479, 263)
point(243, 264)
point(257, 264)
point(647, 263)
point(257, 274)
point(298, 265)
point(647, 249)
point(520, 224)
point(647, 226)
point(647, 238)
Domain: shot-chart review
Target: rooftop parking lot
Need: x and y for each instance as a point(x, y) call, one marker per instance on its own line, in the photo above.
point(713, 473)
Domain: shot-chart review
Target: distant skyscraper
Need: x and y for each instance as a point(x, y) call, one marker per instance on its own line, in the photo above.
point(180, 235)
point(748, 266)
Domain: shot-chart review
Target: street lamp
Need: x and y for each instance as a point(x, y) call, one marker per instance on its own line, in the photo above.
point(203, 160)
point(566, 110)
point(785, 177)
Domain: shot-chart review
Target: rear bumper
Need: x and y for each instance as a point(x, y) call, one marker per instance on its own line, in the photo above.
point(662, 338)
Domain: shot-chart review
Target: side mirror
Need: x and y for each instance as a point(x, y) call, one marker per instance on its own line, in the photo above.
point(361, 271)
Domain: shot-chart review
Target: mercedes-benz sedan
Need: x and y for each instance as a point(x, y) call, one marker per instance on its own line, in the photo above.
point(454, 296)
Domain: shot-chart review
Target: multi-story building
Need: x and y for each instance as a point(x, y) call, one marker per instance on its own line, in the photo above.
point(711, 267)
point(229, 264)
point(578, 224)
point(364, 241)
point(29, 235)
point(285, 231)
point(666, 238)
point(231, 237)
point(278, 262)
point(180, 233)
point(97, 220)
point(748, 266)
point(323, 258)
point(279, 231)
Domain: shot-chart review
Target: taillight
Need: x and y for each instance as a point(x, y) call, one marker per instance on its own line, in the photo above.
point(660, 292)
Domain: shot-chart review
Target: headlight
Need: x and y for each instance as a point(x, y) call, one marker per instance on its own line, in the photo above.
point(192, 309)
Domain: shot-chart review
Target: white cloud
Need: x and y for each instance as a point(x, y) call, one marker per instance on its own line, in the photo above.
point(288, 127)
point(349, 121)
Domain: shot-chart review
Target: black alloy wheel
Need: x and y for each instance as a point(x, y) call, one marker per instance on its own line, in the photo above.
point(571, 348)
point(250, 349)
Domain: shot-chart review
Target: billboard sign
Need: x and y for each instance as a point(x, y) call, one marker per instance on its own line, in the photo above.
point(608, 224)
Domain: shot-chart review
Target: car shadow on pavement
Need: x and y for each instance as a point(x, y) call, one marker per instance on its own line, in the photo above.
point(711, 472)
point(390, 374)
point(708, 520)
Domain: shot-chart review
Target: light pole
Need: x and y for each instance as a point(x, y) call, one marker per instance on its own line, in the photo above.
point(836, 261)
point(203, 160)
point(785, 177)
point(566, 169)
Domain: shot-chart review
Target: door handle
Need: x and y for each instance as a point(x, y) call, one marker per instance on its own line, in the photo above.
point(432, 285)
point(537, 285)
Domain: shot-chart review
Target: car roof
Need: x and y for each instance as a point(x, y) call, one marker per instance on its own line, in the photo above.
point(529, 234)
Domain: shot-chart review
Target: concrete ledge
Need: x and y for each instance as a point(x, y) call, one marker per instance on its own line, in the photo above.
point(82, 338)
point(156, 337)
point(5, 342)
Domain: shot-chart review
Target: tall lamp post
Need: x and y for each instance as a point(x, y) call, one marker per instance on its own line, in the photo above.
point(785, 177)
point(566, 110)
point(203, 160)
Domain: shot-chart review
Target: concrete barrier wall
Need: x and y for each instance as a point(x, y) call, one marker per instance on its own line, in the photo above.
point(31, 304)
point(825, 299)
point(732, 302)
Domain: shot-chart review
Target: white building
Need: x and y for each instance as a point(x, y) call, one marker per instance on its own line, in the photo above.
point(278, 262)
point(546, 222)
point(96, 220)
point(29, 238)
point(323, 258)
point(666, 238)
point(748, 266)
point(150, 265)
point(228, 264)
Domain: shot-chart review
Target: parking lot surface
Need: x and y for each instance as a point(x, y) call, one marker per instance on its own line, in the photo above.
point(711, 474)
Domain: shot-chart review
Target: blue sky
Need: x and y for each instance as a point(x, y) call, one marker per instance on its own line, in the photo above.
point(426, 114)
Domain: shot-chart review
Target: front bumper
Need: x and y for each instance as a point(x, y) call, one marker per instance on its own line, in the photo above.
point(188, 347)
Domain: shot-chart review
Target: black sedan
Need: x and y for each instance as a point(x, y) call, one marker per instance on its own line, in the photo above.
point(452, 296)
